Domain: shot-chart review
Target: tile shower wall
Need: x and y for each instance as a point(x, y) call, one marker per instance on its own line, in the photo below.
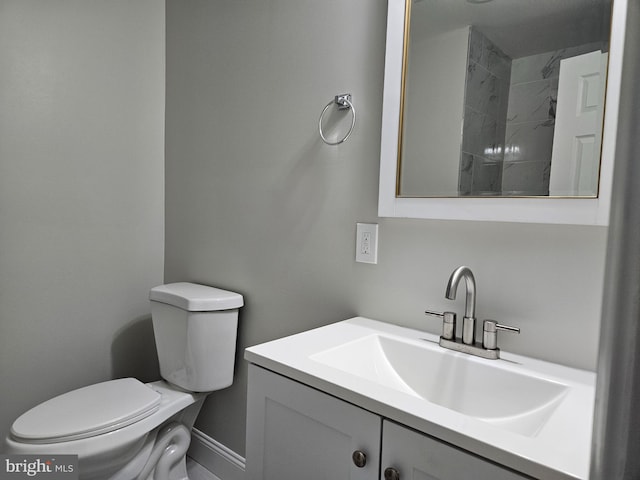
point(485, 111)
point(531, 120)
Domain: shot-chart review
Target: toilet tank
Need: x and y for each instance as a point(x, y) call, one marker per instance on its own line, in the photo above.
point(195, 327)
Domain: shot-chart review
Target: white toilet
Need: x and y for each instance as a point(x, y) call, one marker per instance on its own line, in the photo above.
point(124, 429)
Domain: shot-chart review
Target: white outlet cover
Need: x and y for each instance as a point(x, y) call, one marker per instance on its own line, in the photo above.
point(367, 242)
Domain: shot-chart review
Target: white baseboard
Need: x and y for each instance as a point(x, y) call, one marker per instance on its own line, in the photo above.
point(215, 457)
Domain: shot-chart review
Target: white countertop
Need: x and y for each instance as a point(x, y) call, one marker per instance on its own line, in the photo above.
point(560, 450)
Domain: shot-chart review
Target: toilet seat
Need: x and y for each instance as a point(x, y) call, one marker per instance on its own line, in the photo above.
point(87, 412)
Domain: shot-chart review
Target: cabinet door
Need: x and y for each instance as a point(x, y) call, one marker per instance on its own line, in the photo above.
point(419, 457)
point(295, 432)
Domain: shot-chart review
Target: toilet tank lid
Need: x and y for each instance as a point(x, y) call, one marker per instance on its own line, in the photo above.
point(196, 298)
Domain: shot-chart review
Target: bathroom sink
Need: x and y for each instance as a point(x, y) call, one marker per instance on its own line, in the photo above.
point(530, 415)
point(486, 390)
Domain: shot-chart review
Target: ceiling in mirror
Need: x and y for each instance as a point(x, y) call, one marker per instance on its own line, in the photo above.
point(503, 98)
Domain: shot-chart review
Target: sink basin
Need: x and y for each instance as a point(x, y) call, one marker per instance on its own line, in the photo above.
point(486, 390)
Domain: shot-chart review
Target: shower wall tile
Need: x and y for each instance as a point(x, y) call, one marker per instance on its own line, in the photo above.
point(501, 133)
point(526, 178)
point(486, 104)
point(485, 53)
point(529, 141)
point(482, 90)
point(476, 48)
point(532, 102)
point(465, 178)
point(535, 67)
point(487, 176)
point(545, 65)
point(497, 61)
point(479, 132)
point(479, 175)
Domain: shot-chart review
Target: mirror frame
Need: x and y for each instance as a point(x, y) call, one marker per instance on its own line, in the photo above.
point(568, 211)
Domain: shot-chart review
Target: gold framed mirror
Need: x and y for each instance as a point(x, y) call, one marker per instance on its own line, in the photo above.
point(502, 98)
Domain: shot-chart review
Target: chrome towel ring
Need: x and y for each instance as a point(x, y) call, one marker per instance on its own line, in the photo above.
point(344, 103)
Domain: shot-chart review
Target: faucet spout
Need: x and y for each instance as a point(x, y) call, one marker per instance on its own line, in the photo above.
point(469, 320)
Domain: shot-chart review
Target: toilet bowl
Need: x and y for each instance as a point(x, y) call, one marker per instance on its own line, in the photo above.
point(124, 429)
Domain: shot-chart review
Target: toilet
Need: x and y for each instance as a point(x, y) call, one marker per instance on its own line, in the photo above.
point(124, 429)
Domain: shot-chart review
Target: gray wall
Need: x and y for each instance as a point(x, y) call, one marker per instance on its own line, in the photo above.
point(256, 203)
point(440, 61)
point(81, 193)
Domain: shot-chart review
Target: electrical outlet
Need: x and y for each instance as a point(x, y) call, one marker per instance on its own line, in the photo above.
point(367, 242)
point(365, 245)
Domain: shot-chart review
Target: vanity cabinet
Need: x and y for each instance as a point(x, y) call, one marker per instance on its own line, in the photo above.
point(416, 456)
point(297, 432)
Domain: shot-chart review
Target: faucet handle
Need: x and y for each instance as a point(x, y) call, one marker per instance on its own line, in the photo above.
point(448, 323)
point(490, 333)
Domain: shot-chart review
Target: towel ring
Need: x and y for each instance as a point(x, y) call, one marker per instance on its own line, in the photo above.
point(344, 102)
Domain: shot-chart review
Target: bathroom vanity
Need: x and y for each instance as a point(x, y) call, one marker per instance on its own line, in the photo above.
point(362, 399)
point(299, 432)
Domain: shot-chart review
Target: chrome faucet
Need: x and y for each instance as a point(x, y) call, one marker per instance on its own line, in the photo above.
point(488, 348)
point(469, 319)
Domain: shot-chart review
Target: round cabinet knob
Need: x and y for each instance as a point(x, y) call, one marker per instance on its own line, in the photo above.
point(391, 474)
point(359, 458)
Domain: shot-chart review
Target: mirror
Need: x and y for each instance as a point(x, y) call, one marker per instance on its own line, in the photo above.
point(589, 210)
point(502, 98)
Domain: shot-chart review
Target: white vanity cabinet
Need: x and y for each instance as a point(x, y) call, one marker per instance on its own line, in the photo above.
point(415, 456)
point(296, 432)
